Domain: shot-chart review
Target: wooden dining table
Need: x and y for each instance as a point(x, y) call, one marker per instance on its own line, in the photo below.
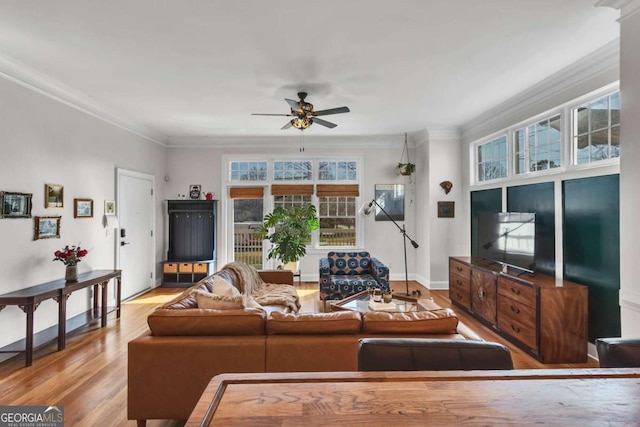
point(555, 397)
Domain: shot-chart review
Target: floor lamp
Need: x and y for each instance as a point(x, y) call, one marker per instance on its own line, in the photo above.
point(366, 210)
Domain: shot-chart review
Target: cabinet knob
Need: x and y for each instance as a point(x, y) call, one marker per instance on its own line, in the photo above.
point(515, 328)
point(458, 282)
point(515, 309)
point(515, 291)
point(481, 294)
point(459, 268)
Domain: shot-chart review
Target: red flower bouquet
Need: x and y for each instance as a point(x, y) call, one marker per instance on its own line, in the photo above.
point(70, 255)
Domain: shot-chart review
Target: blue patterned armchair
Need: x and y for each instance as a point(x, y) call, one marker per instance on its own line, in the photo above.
point(343, 274)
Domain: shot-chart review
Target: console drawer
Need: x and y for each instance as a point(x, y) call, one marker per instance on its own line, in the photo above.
point(460, 296)
point(459, 269)
point(517, 291)
point(523, 313)
point(519, 331)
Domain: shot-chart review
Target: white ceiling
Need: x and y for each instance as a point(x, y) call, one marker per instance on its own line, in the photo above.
point(176, 70)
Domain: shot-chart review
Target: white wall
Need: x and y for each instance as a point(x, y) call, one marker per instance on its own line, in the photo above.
point(381, 155)
point(44, 141)
point(629, 171)
point(447, 234)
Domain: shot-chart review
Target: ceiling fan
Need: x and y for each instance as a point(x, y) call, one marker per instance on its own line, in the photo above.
point(304, 115)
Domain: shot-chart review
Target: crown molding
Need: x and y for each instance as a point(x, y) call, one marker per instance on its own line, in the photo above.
point(626, 7)
point(310, 142)
point(607, 58)
point(27, 77)
point(444, 133)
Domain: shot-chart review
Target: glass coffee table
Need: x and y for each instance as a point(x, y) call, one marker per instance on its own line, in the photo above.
point(360, 302)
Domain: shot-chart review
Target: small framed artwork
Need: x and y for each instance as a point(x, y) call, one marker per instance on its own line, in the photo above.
point(446, 209)
point(83, 208)
point(53, 196)
point(109, 207)
point(15, 205)
point(47, 227)
point(194, 191)
point(391, 198)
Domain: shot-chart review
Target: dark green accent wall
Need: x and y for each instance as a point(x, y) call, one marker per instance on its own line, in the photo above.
point(591, 247)
point(483, 201)
point(539, 199)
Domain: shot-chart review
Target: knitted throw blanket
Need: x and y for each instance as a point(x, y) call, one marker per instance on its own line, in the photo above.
point(264, 293)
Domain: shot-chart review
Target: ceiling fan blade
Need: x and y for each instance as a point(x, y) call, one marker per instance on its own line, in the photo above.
point(287, 126)
point(267, 114)
point(324, 123)
point(293, 104)
point(331, 111)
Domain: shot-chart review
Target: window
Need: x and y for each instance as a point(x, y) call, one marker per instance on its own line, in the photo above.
point(492, 159)
point(337, 221)
point(331, 185)
point(538, 146)
point(337, 213)
point(292, 170)
point(248, 171)
point(337, 171)
point(596, 129)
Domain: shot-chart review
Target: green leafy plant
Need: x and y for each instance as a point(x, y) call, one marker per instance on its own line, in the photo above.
point(288, 230)
point(406, 168)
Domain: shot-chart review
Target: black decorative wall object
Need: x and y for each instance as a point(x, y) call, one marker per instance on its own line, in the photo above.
point(591, 247)
point(192, 230)
point(538, 199)
point(489, 201)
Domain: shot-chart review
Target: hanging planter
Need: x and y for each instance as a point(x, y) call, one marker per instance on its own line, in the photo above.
point(406, 168)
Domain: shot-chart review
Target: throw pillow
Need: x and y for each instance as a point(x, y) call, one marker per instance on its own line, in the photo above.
point(218, 302)
point(224, 288)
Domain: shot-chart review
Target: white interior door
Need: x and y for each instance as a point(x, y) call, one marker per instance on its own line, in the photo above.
point(136, 241)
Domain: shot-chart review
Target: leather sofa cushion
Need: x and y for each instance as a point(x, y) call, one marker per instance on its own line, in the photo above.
point(207, 322)
point(341, 322)
point(442, 321)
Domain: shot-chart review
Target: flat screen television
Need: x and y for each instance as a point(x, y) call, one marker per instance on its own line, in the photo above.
point(508, 238)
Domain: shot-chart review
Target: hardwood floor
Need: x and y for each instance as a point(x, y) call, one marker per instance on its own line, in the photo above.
point(89, 377)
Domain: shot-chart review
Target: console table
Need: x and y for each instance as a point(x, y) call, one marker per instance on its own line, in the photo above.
point(29, 299)
point(539, 396)
point(543, 315)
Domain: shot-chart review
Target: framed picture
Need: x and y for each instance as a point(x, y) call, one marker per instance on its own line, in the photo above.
point(47, 227)
point(446, 209)
point(194, 191)
point(391, 198)
point(15, 205)
point(83, 208)
point(109, 207)
point(53, 196)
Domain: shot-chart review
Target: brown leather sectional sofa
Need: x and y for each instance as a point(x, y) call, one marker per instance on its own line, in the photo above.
point(170, 366)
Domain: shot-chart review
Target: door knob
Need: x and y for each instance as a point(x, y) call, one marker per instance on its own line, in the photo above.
point(124, 243)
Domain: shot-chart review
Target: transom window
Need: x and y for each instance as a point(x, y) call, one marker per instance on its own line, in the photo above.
point(492, 159)
point(292, 170)
point(248, 171)
point(596, 129)
point(337, 171)
point(538, 146)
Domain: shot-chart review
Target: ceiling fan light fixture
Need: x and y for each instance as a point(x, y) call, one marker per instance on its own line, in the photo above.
point(301, 122)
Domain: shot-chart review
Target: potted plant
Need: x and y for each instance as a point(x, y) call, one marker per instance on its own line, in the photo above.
point(406, 169)
point(289, 230)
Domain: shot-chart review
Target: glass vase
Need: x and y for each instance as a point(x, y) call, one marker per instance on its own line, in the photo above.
point(71, 273)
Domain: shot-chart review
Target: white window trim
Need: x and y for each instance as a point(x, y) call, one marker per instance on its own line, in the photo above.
point(226, 206)
point(567, 151)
